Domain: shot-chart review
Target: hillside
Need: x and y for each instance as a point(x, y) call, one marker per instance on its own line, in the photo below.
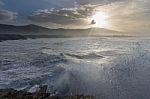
point(38, 30)
point(11, 32)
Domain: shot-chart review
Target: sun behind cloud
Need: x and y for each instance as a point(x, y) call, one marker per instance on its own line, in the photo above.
point(100, 19)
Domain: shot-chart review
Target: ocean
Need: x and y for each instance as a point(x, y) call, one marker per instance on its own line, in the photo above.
point(105, 67)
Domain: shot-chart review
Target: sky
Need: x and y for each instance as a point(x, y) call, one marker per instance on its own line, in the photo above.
point(122, 15)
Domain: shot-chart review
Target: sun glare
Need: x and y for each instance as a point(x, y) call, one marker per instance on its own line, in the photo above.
point(100, 19)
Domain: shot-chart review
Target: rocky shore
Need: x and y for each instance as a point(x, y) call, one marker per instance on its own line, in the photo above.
point(14, 94)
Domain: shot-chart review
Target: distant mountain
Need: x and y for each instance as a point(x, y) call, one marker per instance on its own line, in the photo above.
point(38, 30)
point(11, 29)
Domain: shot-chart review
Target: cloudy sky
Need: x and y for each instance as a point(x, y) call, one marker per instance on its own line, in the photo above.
point(122, 15)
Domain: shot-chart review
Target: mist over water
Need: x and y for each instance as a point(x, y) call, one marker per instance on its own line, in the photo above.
point(108, 68)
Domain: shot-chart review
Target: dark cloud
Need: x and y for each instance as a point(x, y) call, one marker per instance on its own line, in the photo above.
point(7, 16)
point(102, 2)
point(70, 3)
point(79, 14)
point(65, 16)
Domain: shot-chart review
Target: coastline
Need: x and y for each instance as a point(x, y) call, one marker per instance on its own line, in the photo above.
point(14, 94)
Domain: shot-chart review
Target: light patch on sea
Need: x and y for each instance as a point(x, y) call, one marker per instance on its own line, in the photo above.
point(108, 67)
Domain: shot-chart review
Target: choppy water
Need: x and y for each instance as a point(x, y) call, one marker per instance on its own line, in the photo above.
point(108, 68)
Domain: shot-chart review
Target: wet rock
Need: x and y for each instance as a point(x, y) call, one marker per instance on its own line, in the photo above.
point(14, 94)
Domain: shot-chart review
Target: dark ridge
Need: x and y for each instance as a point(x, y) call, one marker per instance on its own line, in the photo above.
point(36, 30)
point(12, 32)
point(21, 29)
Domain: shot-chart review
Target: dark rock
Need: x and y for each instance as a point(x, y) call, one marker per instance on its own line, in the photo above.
point(14, 94)
point(43, 89)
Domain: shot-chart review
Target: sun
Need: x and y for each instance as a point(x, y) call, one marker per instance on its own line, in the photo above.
point(100, 20)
